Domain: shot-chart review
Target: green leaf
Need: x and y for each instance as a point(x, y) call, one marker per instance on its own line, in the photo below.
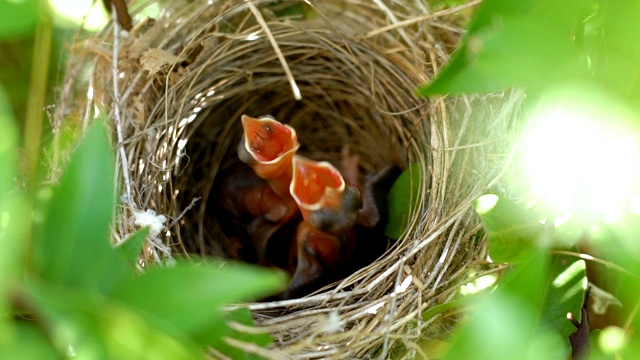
point(510, 228)
point(28, 343)
point(529, 307)
point(447, 306)
point(8, 145)
point(505, 324)
point(618, 243)
point(403, 200)
point(296, 11)
point(17, 18)
point(434, 349)
point(15, 214)
point(500, 330)
point(72, 245)
point(527, 44)
point(130, 248)
point(189, 297)
point(612, 343)
point(616, 48)
point(235, 322)
point(93, 327)
point(564, 293)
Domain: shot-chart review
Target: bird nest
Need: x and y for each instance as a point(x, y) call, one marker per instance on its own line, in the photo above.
point(341, 73)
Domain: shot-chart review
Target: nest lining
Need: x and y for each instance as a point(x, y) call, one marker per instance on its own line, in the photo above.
point(183, 80)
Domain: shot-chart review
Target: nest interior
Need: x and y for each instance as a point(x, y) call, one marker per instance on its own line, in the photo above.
point(341, 73)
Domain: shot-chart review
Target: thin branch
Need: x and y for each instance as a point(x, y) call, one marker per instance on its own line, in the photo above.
point(285, 66)
point(409, 22)
point(116, 110)
point(191, 205)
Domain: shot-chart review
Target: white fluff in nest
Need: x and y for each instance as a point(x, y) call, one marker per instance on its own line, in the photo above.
point(332, 323)
point(149, 218)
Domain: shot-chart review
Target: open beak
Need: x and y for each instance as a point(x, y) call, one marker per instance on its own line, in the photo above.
point(314, 255)
point(268, 146)
point(322, 196)
point(303, 258)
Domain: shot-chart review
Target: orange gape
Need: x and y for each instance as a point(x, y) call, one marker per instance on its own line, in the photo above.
point(316, 182)
point(323, 197)
point(267, 139)
point(317, 258)
point(324, 241)
point(268, 146)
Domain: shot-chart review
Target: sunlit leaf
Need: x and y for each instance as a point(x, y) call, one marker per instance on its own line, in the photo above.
point(564, 293)
point(510, 228)
point(614, 342)
point(618, 243)
point(403, 200)
point(530, 303)
point(526, 43)
point(72, 245)
point(130, 248)
point(501, 329)
point(189, 297)
point(617, 47)
point(506, 323)
point(127, 335)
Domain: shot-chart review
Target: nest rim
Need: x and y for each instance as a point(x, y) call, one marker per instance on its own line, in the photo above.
point(154, 133)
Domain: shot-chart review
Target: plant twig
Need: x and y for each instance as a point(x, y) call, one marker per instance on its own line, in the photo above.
point(116, 111)
point(400, 24)
point(285, 66)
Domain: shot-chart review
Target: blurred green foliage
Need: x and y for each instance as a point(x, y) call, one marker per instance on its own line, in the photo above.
point(17, 18)
point(64, 287)
point(535, 46)
point(64, 290)
point(511, 229)
point(20, 20)
point(526, 313)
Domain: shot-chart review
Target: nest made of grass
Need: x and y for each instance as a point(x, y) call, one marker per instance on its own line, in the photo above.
point(175, 88)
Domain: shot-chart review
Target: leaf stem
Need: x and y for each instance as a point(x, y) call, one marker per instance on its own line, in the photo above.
point(37, 91)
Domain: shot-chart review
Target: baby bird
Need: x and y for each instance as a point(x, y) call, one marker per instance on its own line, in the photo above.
point(340, 232)
point(268, 147)
point(255, 206)
point(254, 216)
point(317, 259)
point(324, 241)
point(323, 197)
